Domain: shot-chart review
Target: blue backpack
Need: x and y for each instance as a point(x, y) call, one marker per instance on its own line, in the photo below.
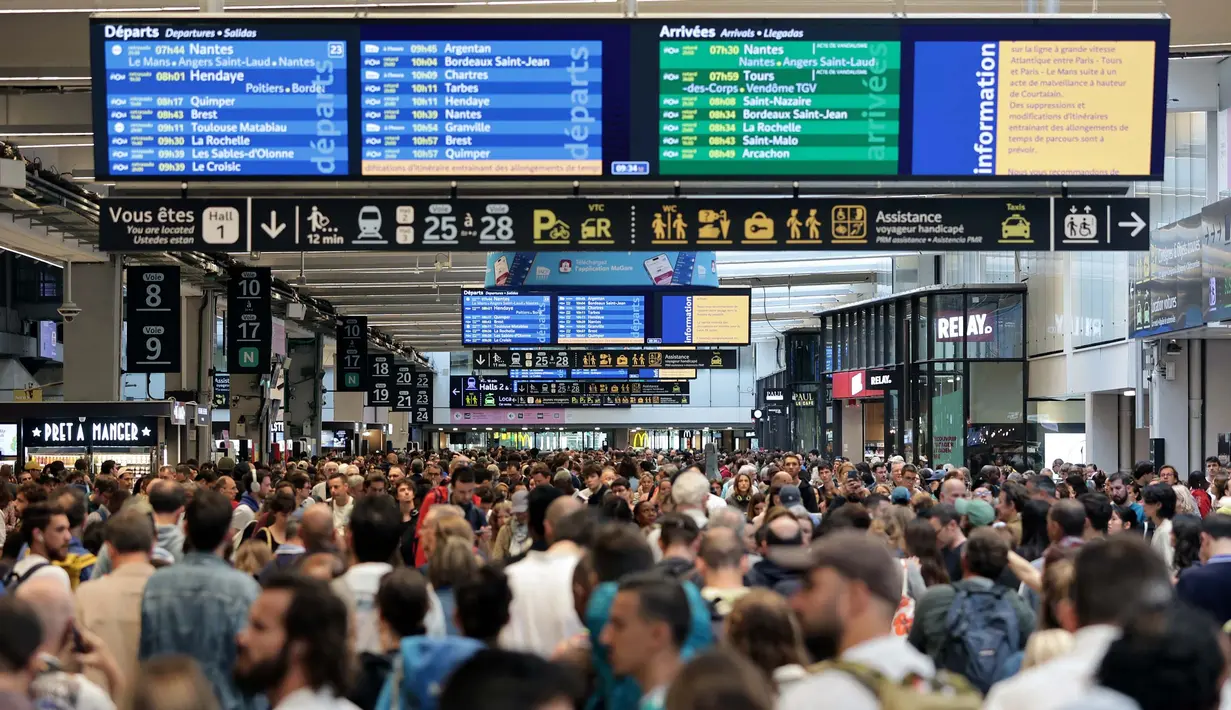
point(981, 635)
point(420, 670)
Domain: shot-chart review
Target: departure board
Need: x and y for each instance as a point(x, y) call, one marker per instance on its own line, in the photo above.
point(492, 318)
point(457, 106)
point(222, 101)
point(778, 106)
point(594, 319)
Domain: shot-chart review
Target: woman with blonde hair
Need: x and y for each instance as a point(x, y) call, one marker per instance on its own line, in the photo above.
point(892, 525)
point(171, 683)
point(763, 628)
point(252, 556)
point(451, 561)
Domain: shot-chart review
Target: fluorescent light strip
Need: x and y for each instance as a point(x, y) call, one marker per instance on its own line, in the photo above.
point(42, 135)
point(312, 6)
point(48, 262)
point(56, 145)
point(42, 78)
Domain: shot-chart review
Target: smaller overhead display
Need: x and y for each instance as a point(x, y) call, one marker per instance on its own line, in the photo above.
point(474, 392)
point(710, 319)
point(506, 318)
point(594, 319)
point(380, 379)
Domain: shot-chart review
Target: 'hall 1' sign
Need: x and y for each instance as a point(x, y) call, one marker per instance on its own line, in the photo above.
point(87, 431)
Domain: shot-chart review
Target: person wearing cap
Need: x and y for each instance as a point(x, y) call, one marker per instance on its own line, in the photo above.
point(900, 496)
point(984, 559)
point(851, 588)
point(514, 538)
point(780, 531)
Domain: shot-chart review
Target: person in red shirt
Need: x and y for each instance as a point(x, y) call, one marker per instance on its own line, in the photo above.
point(443, 494)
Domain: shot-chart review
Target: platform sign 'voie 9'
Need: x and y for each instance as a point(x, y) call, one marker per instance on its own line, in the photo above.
point(629, 99)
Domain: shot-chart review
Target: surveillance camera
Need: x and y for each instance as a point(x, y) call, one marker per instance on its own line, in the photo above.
point(1173, 347)
point(68, 311)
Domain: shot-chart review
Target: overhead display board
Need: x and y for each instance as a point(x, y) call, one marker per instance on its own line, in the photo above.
point(592, 359)
point(249, 320)
point(471, 391)
point(507, 318)
point(705, 319)
point(380, 379)
point(658, 226)
point(152, 309)
point(585, 98)
point(599, 318)
point(221, 100)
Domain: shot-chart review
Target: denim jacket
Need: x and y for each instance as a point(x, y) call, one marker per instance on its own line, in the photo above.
point(196, 608)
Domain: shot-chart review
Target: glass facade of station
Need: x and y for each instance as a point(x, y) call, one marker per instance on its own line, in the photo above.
point(936, 375)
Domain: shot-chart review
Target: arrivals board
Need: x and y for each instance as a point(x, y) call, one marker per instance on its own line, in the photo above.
point(590, 319)
point(505, 318)
point(587, 98)
point(221, 100)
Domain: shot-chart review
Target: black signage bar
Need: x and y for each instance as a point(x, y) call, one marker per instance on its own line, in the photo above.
point(403, 387)
point(697, 223)
point(152, 309)
point(775, 410)
point(380, 380)
point(153, 224)
point(775, 395)
point(352, 354)
point(639, 387)
point(803, 399)
point(222, 390)
point(590, 359)
point(249, 320)
point(886, 379)
point(90, 431)
point(472, 391)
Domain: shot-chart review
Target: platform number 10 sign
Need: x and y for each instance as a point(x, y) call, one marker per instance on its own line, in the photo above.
point(152, 312)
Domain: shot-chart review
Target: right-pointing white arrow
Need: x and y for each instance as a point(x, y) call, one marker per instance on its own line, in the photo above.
point(1137, 223)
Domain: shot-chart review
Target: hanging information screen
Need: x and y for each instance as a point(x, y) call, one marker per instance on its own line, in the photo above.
point(152, 309)
point(380, 379)
point(592, 319)
point(491, 318)
point(627, 99)
point(249, 320)
point(716, 319)
point(221, 100)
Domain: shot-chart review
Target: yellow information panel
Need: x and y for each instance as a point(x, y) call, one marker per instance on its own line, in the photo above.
point(1073, 108)
point(720, 319)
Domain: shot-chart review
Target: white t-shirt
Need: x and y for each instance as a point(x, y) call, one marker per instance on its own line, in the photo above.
point(59, 690)
point(341, 513)
point(889, 655)
point(542, 613)
point(50, 571)
point(358, 589)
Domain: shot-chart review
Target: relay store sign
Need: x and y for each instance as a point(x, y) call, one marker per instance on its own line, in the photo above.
point(86, 431)
point(854, 385)
point(975, 327)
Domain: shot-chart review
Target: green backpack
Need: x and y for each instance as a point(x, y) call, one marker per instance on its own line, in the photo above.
point(944, 691)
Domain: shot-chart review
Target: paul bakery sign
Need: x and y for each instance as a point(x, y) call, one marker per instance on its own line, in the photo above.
point(88, 431)
point(975, 327)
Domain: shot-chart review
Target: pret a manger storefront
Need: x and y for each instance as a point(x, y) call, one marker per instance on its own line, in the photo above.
point(937, 375)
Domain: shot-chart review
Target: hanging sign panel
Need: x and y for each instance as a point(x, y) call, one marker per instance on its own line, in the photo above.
point(249, 320)
point(152, 309)
point(586, 98)
point(380, 380)
point(352, 354)
point(710, 224)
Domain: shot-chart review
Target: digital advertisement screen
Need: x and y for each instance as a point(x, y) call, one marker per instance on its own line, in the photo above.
point(597, 319)
point(630, 99)
point(718, 319)
point(490, 318)
point(221, 101)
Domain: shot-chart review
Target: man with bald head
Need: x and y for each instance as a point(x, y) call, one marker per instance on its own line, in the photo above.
point(53, 603)
point(542, 614)
point(951, 490)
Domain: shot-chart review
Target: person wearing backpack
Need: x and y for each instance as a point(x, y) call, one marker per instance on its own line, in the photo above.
point(973, 626)
point(851, 588)
point(46, 536)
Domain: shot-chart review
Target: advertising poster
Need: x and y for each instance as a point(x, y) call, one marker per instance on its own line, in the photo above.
point(653, 269)
point(948, 440)
point(1216, 260)
point(1169, 295)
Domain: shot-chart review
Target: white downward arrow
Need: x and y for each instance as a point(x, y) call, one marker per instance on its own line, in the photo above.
point(1137, 224)
point(274, 228)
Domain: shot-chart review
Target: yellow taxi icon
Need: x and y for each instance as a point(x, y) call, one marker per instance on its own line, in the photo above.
point(1015, 229)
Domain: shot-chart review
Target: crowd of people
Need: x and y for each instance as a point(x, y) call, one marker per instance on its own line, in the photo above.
point(613, 580)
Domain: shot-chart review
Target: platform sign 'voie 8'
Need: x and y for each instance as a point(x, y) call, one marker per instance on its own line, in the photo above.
point(152, 314)
point(249, 320)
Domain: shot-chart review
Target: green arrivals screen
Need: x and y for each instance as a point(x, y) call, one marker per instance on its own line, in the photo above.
point(779, 107)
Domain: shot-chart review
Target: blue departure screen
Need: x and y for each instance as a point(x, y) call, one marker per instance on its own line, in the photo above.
point(600, 319)
point(491, 318)
point(458, 106)
point(222, 101)
point(539, 374)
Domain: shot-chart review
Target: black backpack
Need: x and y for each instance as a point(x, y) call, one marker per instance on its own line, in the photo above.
point(12, 580)
point(981, 632)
